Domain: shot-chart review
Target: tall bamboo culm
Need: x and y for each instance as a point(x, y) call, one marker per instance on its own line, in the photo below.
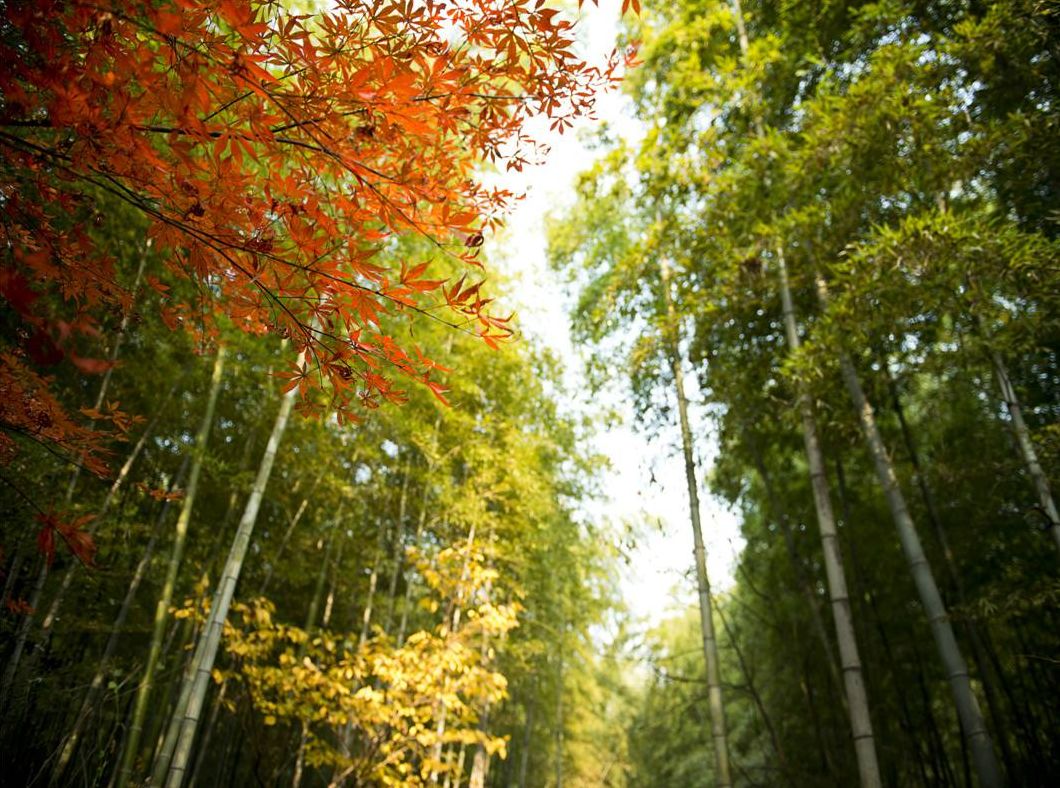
point(839, 597)
point(973, 726)
point(209, 640)
point(719, 734)
point(165, 598)
point(1026, 445)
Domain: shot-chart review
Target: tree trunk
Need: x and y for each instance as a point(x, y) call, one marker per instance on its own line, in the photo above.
point(164, 752)
point(558, 765)
point(706, 616)
point(329, 601)
point(973, 727)
point(126, 468)
point(21, 634)
point(872, 615)
point(806, 685)
point(12, 570)
point(422, 522)
point(1023, 437)
point(143, 693)
point(817, 621)
point(310, 626)
point(373, 581)
point(993, 704)
point(322, 576)
point(455, 777)
point(210, 638)
point(528, 736)
point(480, 765)
point(857, 698)
point(69, 745)
point(26, 624)
point(480, 762)
point(767, 721)
point(854, 682)
point(450, 626)
point(403, 624)
point(271, 568)
point(104, 384)
point(398, 553)
point(211, 725)
point(439, 732)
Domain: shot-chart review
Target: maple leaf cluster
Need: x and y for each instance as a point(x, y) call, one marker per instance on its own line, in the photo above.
point(72, 532)
point(273, 155)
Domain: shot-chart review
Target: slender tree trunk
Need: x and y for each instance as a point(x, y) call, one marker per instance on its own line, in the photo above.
point(1028, 730)
point(346, 737)
point(763, 714)
point(373, 581)
point(299, 758)
point(854, 682)
point(872, 615)
point(143, 693)
point(1023, 437)
point(84, 714)
point(558, 765)
point(164, 752)
point(403, 624)
point(21, 635)
point(310, 626)
point(207, 734)
point(439, 731)
point(180, 633)
point(126, 468)
point(12, 571)
point(455, 777)
point(450, 626)
point(971, 627)
point(104, 384)
point(806, 685)
point(329, 601)
point(271, 568)
point(973, 726)
point(28, 619)
point(421, 523)
point(210, 638)
point(528, 737)
point(706, 617)
point(816, 620)
point(53, 609)
point(322, 576)
point(398, 553)
point(944, 772)
point(480, 764)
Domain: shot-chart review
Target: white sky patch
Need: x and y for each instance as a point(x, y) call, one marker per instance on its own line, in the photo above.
point(645, 485)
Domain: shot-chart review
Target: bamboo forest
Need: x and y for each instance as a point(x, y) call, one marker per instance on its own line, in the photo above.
point(530, 393)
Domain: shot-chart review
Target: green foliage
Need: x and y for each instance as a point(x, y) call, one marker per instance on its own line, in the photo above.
point(897, 150)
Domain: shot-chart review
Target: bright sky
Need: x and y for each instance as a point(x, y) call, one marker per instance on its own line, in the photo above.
point(658, 577)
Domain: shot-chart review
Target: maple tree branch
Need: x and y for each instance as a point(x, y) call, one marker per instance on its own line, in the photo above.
point(319, 146)
point(19, 432)
point(307, 329)
point(217, 243)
